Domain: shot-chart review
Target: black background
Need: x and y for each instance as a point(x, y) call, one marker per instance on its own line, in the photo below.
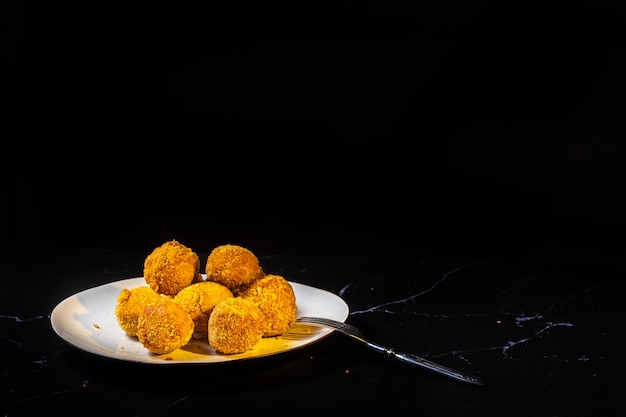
point(491, 129)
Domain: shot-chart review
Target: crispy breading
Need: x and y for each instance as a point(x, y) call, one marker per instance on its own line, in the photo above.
point(233, 266)
point(164, 326)
point(235, 326)
point(198, 300)
point(171, 267)
point(233, 309)
point(276, 299)
point(130, 302)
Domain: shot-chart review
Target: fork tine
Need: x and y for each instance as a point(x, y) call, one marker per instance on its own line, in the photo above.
point(324, 322)
point(345, 328)
point(319, 320)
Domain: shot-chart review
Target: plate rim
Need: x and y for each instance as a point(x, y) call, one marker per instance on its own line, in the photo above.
point(75, 342)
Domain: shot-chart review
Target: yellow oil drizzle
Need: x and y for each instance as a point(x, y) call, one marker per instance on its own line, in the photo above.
point(200, 350)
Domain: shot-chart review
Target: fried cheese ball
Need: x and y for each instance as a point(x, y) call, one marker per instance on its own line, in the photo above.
point(171, 267)
point(233, 266)
point(198, 300)
point(131, 302)
point(274, 296)
point(235, 326)
point(164, 326)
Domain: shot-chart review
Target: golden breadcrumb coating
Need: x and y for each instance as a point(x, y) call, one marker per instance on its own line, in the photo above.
point(275, 298)
point(171, 267)
point(130, 302)
point(235, 326)
point(164, 326)
point(233, 266)
point(198, 300)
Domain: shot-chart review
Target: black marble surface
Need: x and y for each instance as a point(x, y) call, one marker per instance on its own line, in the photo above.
point(453, 170)
point(547, 340)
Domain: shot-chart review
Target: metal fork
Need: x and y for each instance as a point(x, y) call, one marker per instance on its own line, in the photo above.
point(353, 332)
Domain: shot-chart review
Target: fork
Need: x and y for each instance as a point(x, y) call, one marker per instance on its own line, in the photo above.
point(353, 332)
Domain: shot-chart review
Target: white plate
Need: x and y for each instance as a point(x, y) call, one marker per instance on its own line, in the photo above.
point(87, 321)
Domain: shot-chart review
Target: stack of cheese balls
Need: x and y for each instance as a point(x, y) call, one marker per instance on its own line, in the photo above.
point(232, 309)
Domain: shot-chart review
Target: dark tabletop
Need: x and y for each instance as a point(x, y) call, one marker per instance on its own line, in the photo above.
point(545, 340)
point(454, 171)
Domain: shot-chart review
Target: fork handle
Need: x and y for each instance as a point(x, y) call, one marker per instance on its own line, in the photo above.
point(435, 367)
point(420, 362)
